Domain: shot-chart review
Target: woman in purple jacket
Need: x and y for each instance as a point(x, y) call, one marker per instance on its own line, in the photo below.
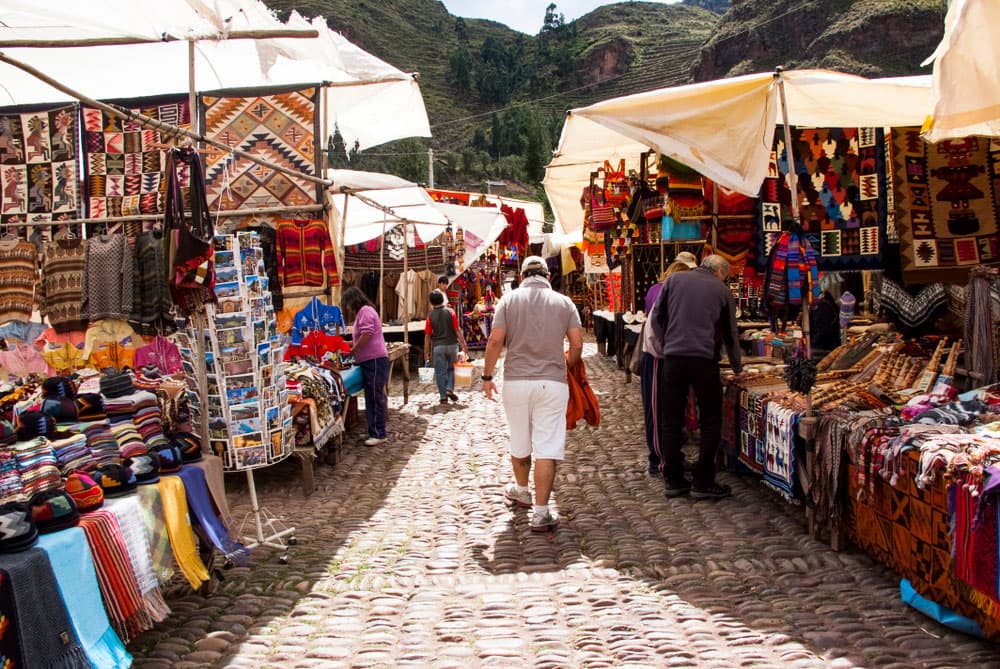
point(368, 347)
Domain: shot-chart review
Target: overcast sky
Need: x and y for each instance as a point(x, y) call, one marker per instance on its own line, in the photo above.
point(524, 15)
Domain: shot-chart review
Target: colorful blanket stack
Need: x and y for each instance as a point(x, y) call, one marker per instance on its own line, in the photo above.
point(100, 441)
point(130, 443)
point(73, 454)
point(11, 485)
point(141, 411)
point(37, 466)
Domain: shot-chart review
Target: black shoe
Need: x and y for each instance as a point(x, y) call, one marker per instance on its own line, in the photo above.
point(654, 473)
point(677, 488)
point(452, 396)
point(444, 400)
point(714, 491)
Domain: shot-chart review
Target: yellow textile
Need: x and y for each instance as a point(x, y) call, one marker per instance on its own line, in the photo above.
point(182, 538)
point(109, 330)
point(286, 318)
point(112, 354)
point(64, 358)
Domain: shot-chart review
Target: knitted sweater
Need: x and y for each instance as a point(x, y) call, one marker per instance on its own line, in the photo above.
point(107, 279)
point(150, 289)
point(305, 254)
point(17, 280)
point(61, 290)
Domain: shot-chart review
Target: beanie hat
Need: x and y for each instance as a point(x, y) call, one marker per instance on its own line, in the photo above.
point(190, 446)
point(18, 531)
point(116, 384)
point(116, 480)
point(58, 387)
point(53, 510)
point(170, 457)
point(84, 491)
point(63, 410)
point(8, 435)
point(35, 424)
point(145, 466)
point(90, 406)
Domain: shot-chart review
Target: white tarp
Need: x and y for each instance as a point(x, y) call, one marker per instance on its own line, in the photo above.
point(966, 79)
point(724, 129)
point(363, 220)
point(481, 226)
point(370, 101)
point(348, 180)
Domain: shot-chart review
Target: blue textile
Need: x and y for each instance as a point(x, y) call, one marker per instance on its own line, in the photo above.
point(204, 517)
point(943, 615)
point(353, 380)
point(317, 316)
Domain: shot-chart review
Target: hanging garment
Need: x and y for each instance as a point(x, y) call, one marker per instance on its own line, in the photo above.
point(204, 516)
point(305, 254)
point(17, 280)
point(182, 538)
point(161, 353)
point(318, 316)
point(150, 288)
point(157, 535)
point(112, 355)
point(190, 255)
point(22, 360)
point(109, 331)
point(60, 291)
point(107, 279)
point(129, 517)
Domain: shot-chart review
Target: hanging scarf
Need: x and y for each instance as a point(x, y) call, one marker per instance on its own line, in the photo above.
point(151, 505)
point(191, 257)
point(791, 272)
point(182, 538)
point(211, 465)
point(30, 598)
point(129, 516)
point(203, 515)
point(74, 571)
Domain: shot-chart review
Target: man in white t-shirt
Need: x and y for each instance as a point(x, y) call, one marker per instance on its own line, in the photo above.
point(532, 323)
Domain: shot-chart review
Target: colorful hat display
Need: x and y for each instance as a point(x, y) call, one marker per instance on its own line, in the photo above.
point(84, 491)
point(8, 435)
point(189, 445)
point(116, 384)
point(58, 387)
point(53, 510)
point(116, 480)
point(90, 406)
point(170, 457)
point(18, 531)
point(145, 466)
point(62, 409)
point(32, 424)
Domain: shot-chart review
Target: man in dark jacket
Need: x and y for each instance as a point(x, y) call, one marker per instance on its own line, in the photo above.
point(695, 317)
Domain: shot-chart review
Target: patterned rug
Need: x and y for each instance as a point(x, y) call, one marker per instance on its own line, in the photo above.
point(38, 166)
point(841, 181)
point(123, 162)
point(734, 234)
point(946, 205)
point(280, 127)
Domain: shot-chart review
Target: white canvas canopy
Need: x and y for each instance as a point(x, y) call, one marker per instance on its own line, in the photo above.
point(724, 129)
point(966, 79)
point(370, 101)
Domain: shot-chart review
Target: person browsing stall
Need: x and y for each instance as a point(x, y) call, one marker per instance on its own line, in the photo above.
point(442, 339)
point(532, 323)
point(371, 355)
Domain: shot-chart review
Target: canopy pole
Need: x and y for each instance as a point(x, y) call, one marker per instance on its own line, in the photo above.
point(192, 93)
point(381, 273)
point(126, 40)
point(406, 290)
point(715, 214)
point(153, 123)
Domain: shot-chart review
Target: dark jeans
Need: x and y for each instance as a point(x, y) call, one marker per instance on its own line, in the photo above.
point(680, 373)
point(649, 388)
point(375, 374)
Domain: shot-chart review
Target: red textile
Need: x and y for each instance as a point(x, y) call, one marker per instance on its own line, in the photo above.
point(305, 253)
point(516, 232)
point(582, 401)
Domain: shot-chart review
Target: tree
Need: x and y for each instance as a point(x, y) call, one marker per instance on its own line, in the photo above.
point(336, 150)
point(495, 135)
point(553, 23)
point(479, 142)
point(536, 152)
point(461, 31)
point(410, 160)
point(497, 75)
point(460, 69)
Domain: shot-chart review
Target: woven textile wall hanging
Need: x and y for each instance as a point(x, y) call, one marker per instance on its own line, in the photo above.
point(38, 154)
point(280, 127)
point(123, 161)
point(842, 188)
point(946, 205)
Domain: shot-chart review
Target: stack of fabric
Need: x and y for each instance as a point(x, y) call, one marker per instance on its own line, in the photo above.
point(11, 485)
point(129, 440)
point(73, 454)
point(148, 422)
point(93, 423)
point(37, 465)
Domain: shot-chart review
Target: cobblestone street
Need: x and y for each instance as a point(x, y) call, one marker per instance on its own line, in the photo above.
point(408, 556)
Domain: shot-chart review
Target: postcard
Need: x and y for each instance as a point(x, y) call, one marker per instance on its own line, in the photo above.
point(251, 457)
point(244, 411)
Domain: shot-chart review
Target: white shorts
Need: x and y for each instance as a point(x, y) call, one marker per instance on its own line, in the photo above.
point(536, 414)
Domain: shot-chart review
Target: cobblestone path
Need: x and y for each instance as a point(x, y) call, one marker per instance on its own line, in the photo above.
point(408, 557)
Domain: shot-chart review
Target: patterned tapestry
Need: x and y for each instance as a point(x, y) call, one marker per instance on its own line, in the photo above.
point(946, 205)
point(842, 185)
point(123, 161)
point(280, 127)
point(734, 235)
point(38, 166)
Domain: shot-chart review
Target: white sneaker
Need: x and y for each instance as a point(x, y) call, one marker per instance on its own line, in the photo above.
point(516, 497)
point(542, 521)
point(374, 441)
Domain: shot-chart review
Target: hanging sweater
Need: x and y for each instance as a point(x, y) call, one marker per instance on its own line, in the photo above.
point(151, 300)
point(60, 292)
point(17, 280)
point(305, 254)
point(107, 279)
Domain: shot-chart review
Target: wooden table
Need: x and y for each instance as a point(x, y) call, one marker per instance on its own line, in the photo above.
point(400, 351)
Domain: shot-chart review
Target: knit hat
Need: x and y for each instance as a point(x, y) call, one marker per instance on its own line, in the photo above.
point(534, 263)
point(190, 446)
point(687, 258)
point(53, 510)
point(62, 409)
point(116, 384)
point(170, 457)
point(58, 387)
point(18, 531)
point(35, 424)
point(145, 466)
point(8, 435)
point(90, 406)
point(116, 480)
point(84, 491)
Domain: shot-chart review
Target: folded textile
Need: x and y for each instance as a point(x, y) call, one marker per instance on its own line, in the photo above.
point(119, 587)
point(157, 536)
point(45, 636)
point(182, 538)
point(129, 514)
point(74, 570)
point(912, 311)
point(203, 514)
point(212, 466)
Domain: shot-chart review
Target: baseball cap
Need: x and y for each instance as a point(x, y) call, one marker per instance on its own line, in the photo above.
point(534, 262)
point(687, 258)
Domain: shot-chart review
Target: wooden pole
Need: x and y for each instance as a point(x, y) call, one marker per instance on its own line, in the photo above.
point(192, 92)
point(152, 123)
point(126, 40)
point(715, 214)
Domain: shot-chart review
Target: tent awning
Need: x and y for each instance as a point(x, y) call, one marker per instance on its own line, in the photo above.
point(724, 129)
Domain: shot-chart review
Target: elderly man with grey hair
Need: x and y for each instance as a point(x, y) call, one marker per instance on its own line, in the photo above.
point(695, 316)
